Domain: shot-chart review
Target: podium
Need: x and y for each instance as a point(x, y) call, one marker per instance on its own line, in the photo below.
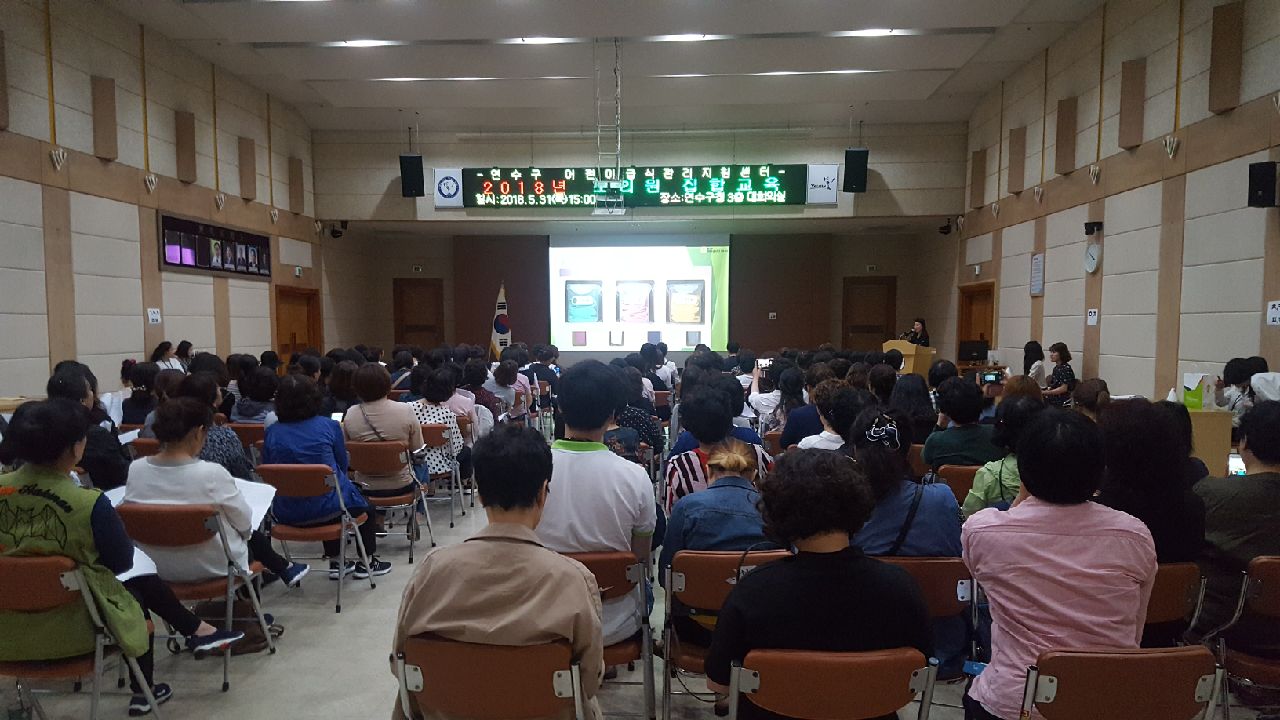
point(916, 359)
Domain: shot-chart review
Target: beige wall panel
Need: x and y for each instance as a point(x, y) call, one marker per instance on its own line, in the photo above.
point(222, 316)
point(24, 327)
point(59, 277)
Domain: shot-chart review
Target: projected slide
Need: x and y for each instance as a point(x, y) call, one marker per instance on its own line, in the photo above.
point(617, 298)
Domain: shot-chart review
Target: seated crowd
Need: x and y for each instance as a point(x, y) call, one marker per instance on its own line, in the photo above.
point(831, 457)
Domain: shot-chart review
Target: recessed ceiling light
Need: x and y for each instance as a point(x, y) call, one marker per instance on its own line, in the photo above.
point(538, 40)
point(771, 73)
point(685, 37)
point(368, 43)
point(869, 32)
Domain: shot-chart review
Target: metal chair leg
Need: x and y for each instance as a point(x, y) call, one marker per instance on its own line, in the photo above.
point(342, 564)
point(226, 651)
point(256, 599)
point(96, 693)
point(364, 557)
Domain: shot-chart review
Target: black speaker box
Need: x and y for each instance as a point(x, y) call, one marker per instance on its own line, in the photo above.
point(1262, 184)
point(855, 170)
point(411, 180)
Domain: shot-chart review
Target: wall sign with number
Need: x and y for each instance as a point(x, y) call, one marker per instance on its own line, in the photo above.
point(648, 186)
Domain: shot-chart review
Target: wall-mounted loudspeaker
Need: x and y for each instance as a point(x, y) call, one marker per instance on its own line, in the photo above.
point(855, 170)
point(411, 180)
point(1262, 184)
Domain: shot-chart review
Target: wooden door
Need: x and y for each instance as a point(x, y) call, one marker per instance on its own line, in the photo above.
point(297, 320)
point(418, 311)
point(870, 312)
point(977, 313)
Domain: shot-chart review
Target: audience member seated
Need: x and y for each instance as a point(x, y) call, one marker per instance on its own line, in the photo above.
point(666, 369)
point(725, 517)
point(685, 441)
point(463, 404)
point(707, 416)
point(959, 439)
point(1233, 391)
point(601, 501)
point(433, 409)
point(1021, 386)
point(745, 366)
point(1242, 522)
point(113, 402)
point(838, 406)
point(939, 372)
point(502, 385)
point(634, 413)
point(1091, 397)
point(302, 437)
point(1059, 571)
point(1146, 477)
point(1193, 467)
point(135, 408)
point(501, 586)
point(47, 438)
point(342, 388)
point(377, 418)
point(857, 376)
point(790, 397)
point(175, 476)
point(270, 360)
point(881, 380)
point(165, 358)
point(520, 386)
point(911, 398)
point(763, 395)
point(239, 367)
point(474, 376)
point(804, 420)
point(909, 518)
point(997, 483)
point(166, 386)
point(257, 397)
point(103, 458)
point(401, 364)
point(221, 444)
point(829, 596)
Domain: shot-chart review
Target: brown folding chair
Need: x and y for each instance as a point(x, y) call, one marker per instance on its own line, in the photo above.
point(773, 443)
point(219, 419)
point(834, 685)
point(48, 583)
point(662, 398)
point(464, 427)
point(144, 447)
point(180, 526)
point(945, 582)
point(1153, 684)
point(537, 680)
point(250, 434)
point(397, 394)
point(1176, 595)
point(436, 435)
point(959, 478)
point(700, 580)
point(1259, 600)
point(619, 574)
point(389, 458)
point(915, 457)
point(303, 481)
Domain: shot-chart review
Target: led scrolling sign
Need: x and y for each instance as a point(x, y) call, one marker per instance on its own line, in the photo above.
point(644, 186)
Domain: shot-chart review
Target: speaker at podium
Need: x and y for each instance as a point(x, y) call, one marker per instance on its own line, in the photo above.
point(916, 359)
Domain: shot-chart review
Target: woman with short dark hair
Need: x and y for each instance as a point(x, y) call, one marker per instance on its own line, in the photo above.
point(378, 418)
point(221, 444)
point(910, 396)
point(1063, 380)
point(828, 596)
point(342, 386)
point(104, 459)
point(433, 409)
point(257, 396)
point(183, 354)
point(301, 436)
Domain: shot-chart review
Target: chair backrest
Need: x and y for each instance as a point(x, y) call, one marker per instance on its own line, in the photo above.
point(219, 419)
point(397, 394)
point(435, 435)
point(127, 427)
point(915, 457)
point(702, 579)
point(662, 398)
point(377, 458)
point(464, 426)
point(833, 685)
point(1263, 596)
point(44, 582)
point(543, 388)
point(170, 526)
point(1175, 594)
point(1153, 684)
point(617, 573)
point(145, 447)
point(773, 442)
point(945, 582)
point(298, 481)
point(249, 433)
point(959, 478)
point(441, 675)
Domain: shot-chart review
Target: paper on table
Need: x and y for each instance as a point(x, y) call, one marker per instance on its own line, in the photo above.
point(258, 495)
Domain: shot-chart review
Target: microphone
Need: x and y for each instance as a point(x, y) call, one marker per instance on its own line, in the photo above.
point(905, 334)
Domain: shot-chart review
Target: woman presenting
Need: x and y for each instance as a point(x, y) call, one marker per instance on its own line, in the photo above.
point(919, 334)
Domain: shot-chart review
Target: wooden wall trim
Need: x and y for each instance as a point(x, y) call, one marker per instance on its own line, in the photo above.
point(59, 276)
point(1270, 339)
point(1226, 57)
point(184, 130)
point(4, 88)
point(1017, 159)
point(297, 194)
point(248, 163)
point(152, 287)
point(222, 316)
point(977, 178)
point(105, 144)
point(1133, 101)
point(1039, 243)
point(1173, 199)
point(1064, 158)
point(1093, 297)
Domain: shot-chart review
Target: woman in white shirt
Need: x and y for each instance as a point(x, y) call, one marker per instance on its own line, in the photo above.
point(175, 476)
point(433, 409)
point(1033, 362)
point(838, 407)
point(165, 358)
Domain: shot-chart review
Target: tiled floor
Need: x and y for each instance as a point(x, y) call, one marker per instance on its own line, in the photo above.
point(335, 665)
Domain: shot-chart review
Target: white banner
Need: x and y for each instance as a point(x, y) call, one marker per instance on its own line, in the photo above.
point(821, 187)
point(448, 187)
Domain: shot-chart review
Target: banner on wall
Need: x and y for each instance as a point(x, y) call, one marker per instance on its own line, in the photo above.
point(500, 338)
point(448, 192)
point(821, 187)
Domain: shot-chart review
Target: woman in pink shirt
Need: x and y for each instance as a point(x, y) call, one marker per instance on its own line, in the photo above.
point(1059, 571)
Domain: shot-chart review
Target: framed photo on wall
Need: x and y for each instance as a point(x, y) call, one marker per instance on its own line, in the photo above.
point(211, 249)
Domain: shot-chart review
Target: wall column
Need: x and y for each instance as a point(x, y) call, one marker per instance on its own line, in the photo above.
point(59, 277)
point(1169, 281)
